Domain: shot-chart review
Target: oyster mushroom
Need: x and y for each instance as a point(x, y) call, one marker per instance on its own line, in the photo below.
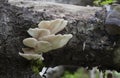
point(57, 41)
point(31, 56)
point(43, 46)
point(28, 50)
point(45, 39)
point(30, 42)
point(54, 26)
point(36, 32)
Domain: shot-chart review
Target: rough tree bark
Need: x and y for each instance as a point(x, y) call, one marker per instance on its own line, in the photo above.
point(89, 47)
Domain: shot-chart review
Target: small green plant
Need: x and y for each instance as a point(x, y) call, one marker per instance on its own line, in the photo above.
point(80, 73)
point(103, 2)
point(83, 73)
point(37, 66)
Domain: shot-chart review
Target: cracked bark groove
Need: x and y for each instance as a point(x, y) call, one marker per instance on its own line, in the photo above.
point(90, 46)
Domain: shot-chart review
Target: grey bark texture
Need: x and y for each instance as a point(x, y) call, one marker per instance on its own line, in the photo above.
point(90, 46)
point(74, 2)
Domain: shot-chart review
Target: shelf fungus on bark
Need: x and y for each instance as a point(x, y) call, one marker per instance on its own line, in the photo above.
point(30, 54)
point(36, 32)
point(53, 26)
point(30, 42)
point(112, 22)
point(45, 39)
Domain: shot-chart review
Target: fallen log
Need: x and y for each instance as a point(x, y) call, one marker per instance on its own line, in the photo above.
point(91, 46)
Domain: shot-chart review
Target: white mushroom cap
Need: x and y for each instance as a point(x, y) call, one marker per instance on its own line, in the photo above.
point(28, 50)
point(43, 46)
point(58, 25)
point(36, 32)
point(30, 42)
point(31, 56)
point(44, 39)
point(57, 41)
point(54, 26)
point(65, 39)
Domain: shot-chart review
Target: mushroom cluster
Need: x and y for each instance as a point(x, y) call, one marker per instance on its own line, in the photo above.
point(44, 39)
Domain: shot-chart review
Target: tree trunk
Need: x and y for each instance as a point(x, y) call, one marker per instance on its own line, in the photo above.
point(89, 47)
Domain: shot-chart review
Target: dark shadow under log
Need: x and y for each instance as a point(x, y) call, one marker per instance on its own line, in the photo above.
point(90, 46)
